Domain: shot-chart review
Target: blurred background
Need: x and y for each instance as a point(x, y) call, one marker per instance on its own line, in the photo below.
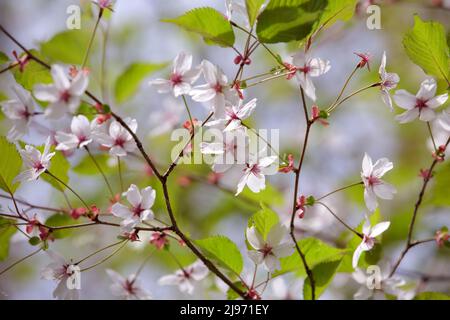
point(134, 33)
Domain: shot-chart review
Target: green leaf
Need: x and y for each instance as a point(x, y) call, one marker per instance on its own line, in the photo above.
point(6, 232)
point(67, 47)
point(58, 220)
point(432, 296)
point(3, 58)
point(316, 252)
point(336, 10)
point(59, 167)
point(128, 82)
point(426, 46)
point(253, 7)
point(323, 274)
point(87, 167)
point(439, 194)
point(288, 20)
point(263, 220)
point(223, 250)
point(232, 295)
point(209, 23)
point(10, 164)
point(32, 74)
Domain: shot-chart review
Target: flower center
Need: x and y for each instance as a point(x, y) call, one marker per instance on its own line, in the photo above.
point(119, 142)
point(373, 181)
point(128, 286)
point(25, 113)
point(420, 103)
point(176, 78)
point(138, 210)
point(305, 69)
point(218, 88)
point(38, 166)
point(65, 96)
point(255, 169)
point(266, 250)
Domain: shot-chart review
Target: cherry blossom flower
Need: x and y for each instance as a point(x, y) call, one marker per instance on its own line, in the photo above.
point(64, 95)
point(105, 4)
point(165, 119)
point(368, 241)
point(35, 162)
point(254, 173)
point(236, 113)
point(216, 91)
point(66, 274)
point(159, 240)
point(308, 68)
point(391, 285)
point(268, 251)
point(422, 104)
point(119, 140)
point(388, 82)
point(365, 59)
point(375, 187)
point(185, 277)
point(181, 78)
point(81, 134)
point(127, 288)
point(226, 151)
point(141, 202)
point(20, 112)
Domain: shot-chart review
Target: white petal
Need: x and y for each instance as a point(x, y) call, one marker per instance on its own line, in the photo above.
point(79, 84)
point(210, 72)
point(60, 78)
point(367, 165)
point(161, 85)
point(256, 183)
point(46, 92)
point(384, 191)
point(427, 89)
point(283, 250)
point(66, 141)
point(404, 99)
point(356, 256)
point(408, 116)
point(379, 229)
point(427, 114)
point(254, 238)
point(437, 101)
point(134, 196)
point(382, 166)
point(148, 197)
point(199, 270)
point(276, 234)
point(370, 199)
point(307, 85)
point(386, 99)
point(256, 256)
point(182, 63)
point(121, 211)
point(318, 67)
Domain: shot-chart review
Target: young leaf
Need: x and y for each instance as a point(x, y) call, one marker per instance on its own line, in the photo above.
point(6, 232)
point(209, 23)
point(426, 46)
point(336, 10)
point(59, 167)
point(3, 58)
point(128, 82)
point(432, 296)
point(67, 47)
point(223, 250)
point(253, 8)
point(323, 275)
point(288, 20)
point(10, 164)
point(263, 220)
point(58, 220)
point(316, 252)
point(232, 295)
point(87, 167)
